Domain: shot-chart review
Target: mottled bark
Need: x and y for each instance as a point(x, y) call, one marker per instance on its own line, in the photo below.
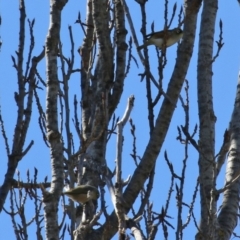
point(51, 198)
point(207, 120)
point(101, 91)
point(163, 119)
point(229, 210)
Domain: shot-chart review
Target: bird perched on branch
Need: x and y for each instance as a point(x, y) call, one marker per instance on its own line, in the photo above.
point(165, 37)
point(82, 193)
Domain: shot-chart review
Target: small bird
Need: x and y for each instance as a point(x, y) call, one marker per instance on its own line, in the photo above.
point(82, 193)
point(168, 37)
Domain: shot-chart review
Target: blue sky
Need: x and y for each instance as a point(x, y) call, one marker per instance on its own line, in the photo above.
point(225, 75)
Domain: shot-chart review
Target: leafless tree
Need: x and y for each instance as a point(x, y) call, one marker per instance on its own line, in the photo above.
point(77, 134)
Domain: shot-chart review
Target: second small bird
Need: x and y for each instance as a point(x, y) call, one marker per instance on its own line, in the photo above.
point(82, 193)
point(168, 37)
